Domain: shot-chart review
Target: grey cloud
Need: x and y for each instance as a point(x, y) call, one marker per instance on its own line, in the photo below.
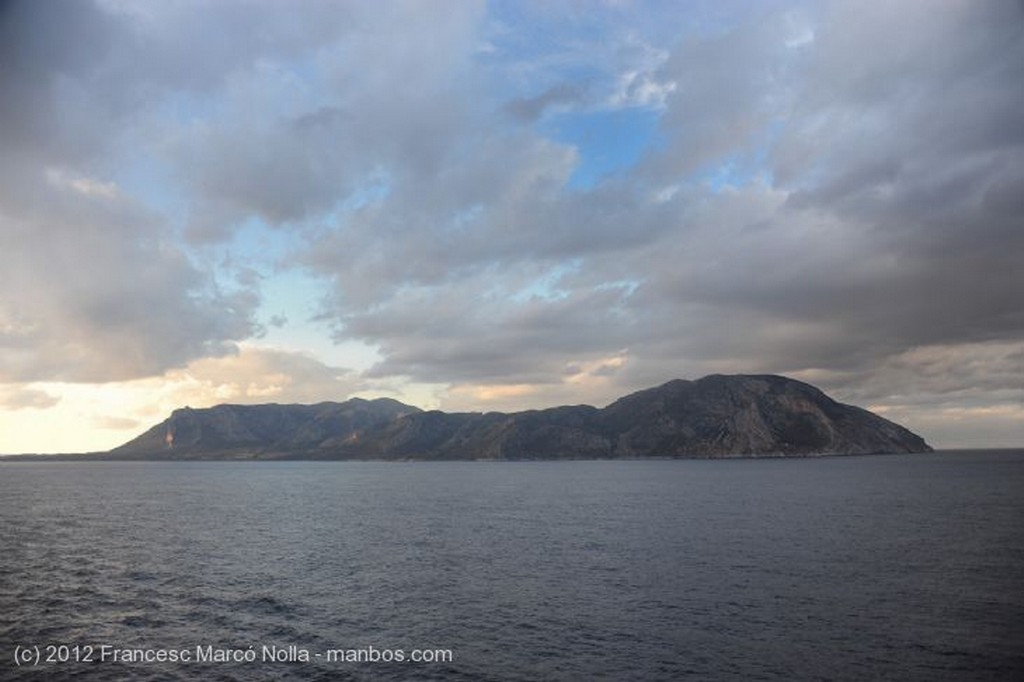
point(969, 394)
point(729, 88)
point(283, 173)
point(79, 73)
point(514, 239)
point(39, 44)
point(881, 233)
point(93, 286)
point(117, 423)
point(989, 369)
point(197, 47)
point(23, 398)
point(529, 109)
point(459, 333)
point(287, 153)
point(92, 292)
point(259, 375)
point(915, 142)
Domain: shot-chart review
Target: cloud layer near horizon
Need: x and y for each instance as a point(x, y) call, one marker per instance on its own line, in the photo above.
point(827, 190)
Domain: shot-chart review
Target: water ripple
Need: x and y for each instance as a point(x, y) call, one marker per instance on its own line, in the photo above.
point(843, 569)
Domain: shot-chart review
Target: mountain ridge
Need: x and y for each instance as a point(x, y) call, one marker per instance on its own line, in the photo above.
point(715, 416)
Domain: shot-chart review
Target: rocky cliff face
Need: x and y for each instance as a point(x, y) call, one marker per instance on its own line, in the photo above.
point(264, 431)
point(717, 416)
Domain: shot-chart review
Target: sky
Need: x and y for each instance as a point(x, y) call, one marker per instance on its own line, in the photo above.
point(507, 205)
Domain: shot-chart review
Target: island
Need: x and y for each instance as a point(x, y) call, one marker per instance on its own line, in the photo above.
point(716, 416)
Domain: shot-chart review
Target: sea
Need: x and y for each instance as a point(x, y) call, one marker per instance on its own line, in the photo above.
point(902, 567)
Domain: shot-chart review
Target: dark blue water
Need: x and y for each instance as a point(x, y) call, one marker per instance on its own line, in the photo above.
point(861, 568)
